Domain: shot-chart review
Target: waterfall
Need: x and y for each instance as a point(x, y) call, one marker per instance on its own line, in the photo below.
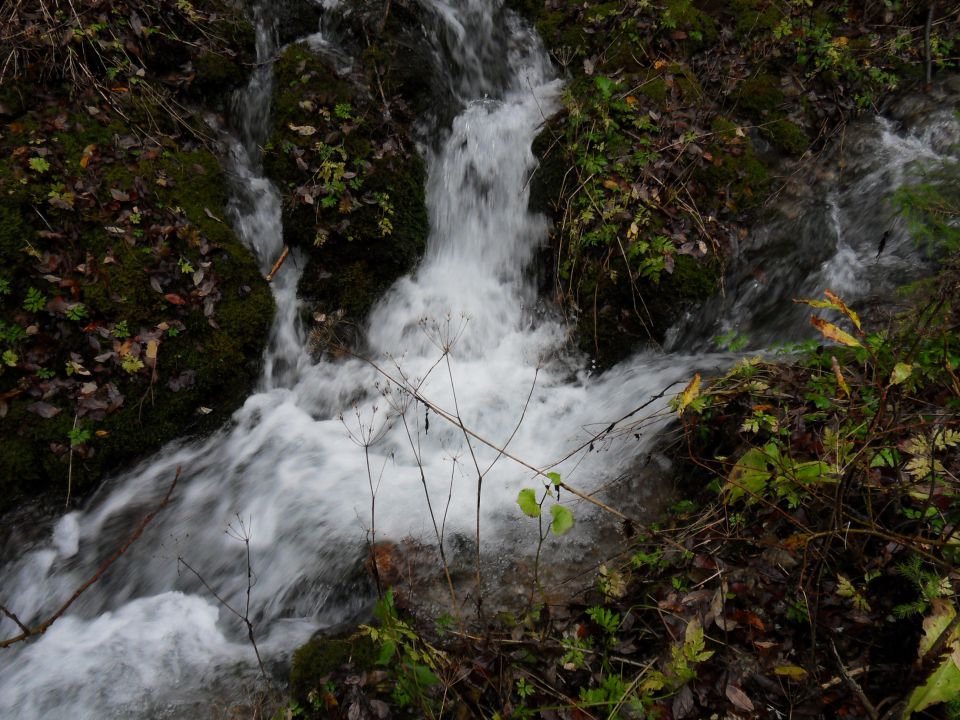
point(465, 327)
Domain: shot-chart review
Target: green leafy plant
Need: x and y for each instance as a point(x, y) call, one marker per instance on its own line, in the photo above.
point(412, 661)
point(35, 300)
point(131, 364)
point(38, 164)
point(928, 584)
point(78, 436)
point(77, 311)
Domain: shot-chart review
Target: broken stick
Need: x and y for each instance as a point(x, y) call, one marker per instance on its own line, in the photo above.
point(278, 263)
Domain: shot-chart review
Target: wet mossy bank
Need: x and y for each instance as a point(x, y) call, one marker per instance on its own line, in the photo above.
point(131, 314)
point(679, 121)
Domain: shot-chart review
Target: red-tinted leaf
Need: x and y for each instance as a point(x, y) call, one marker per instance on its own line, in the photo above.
point(174, 299)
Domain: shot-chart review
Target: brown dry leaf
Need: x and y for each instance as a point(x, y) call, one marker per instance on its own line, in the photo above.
point(88, 152)
point(44, 410)
point(841, 383)
point(739, 698)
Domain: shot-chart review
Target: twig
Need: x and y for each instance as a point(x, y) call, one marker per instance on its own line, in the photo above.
point(70, 463)
point(278, 263)
point(45, 625)
point(243, 536)
point(854, 685)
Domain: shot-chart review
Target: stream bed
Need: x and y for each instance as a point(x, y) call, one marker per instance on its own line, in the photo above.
point(301, 462)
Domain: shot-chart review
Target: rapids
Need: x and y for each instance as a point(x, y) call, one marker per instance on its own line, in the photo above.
point(467, 329)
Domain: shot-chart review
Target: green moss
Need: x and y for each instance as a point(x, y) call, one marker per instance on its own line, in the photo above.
point(215, 71)
point(350, 274)
point(14, 234)
point(552, 166)
point(654, 88)
point(736, 174)
point(619, 315)
point(759, 96)
point(686, 83)
point(321, 657)
point(357, 260)
point(786, 136)
point(603, 10)
point(754, 17)
point(681, 15)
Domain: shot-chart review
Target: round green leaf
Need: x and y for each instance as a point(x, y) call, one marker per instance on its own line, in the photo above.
point(527, 500)
point(562, 519)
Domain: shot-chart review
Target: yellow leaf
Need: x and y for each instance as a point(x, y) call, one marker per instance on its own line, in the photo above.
point(842, 307)
point(833, 302)
point(151, 353)
point(304, 130)
point(832, 332)
point(841, 383)
point(901, 371)
point(791, 671)
point(87, 154)
point(690, 393)
point(611, 184)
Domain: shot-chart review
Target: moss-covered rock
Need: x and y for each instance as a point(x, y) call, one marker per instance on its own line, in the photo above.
point(353, 186)
point(130, 314)
point(316, 661)
point(759, 96)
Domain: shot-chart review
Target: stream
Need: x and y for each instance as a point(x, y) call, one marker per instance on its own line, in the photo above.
point(296, 466)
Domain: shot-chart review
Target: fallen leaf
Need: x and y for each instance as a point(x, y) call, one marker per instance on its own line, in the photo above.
point(151, 353)
point(44, 410)
point(305, 130)
point(901, 371)
point(794, 672)
point(174, 299)
point(739, 698)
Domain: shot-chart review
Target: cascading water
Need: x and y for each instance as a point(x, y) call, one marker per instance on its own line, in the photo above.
point(842, 232)
point(147, 641)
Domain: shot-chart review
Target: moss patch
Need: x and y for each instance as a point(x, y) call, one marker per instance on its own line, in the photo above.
point(129, 313)
point(322, 657)
point(353, 188)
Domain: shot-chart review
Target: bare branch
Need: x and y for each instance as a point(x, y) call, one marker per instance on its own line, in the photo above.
point(45, 625)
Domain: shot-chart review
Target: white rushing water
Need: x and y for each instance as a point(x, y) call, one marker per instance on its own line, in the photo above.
point(150, 641)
